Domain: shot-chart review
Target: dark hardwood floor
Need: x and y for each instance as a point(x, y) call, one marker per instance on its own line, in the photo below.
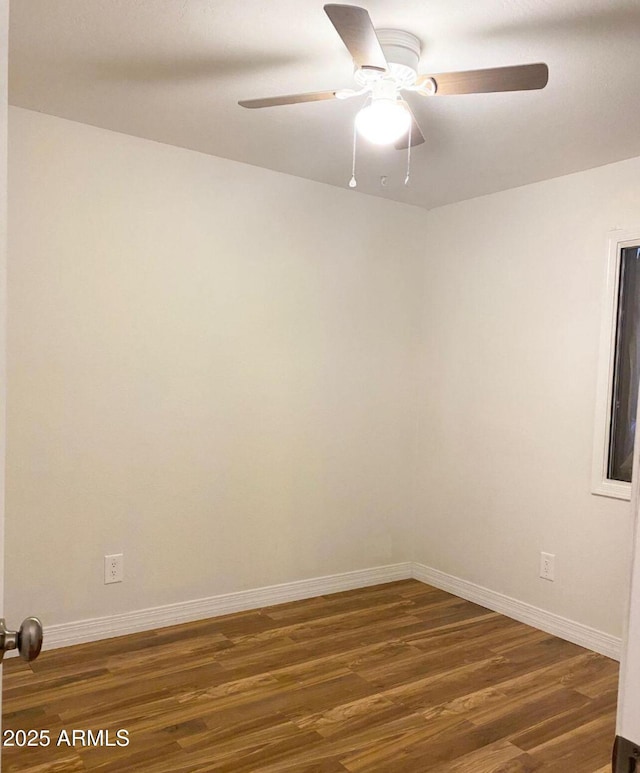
point(401, 678)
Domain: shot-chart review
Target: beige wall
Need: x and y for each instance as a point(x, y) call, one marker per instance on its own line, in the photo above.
point(512, 311)
point(211, 369)
point(231, 376)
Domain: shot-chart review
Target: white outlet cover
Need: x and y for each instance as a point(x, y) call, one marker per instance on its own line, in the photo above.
point(547, 566)
point(113, 568)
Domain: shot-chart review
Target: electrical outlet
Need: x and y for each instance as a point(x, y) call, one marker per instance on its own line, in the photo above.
point(547, 566)
point(113, 568)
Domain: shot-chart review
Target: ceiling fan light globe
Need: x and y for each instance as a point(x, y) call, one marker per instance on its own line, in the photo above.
point(383, 121)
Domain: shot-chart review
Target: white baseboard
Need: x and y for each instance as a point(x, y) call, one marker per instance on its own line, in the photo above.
point(66, 634)
point(562, 627)
point(81, 631)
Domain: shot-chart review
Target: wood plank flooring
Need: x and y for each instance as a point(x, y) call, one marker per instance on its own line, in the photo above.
point(401, 678)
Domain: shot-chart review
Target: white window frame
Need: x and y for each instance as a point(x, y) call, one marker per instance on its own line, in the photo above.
point(601, 484)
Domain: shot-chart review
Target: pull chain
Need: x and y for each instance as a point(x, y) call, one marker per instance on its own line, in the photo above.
point(352, 181)
point(406, 179)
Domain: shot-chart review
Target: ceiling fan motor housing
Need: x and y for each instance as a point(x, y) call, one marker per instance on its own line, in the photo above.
point(402, 51)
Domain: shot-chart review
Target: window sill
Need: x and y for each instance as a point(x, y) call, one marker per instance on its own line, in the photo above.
point(612, 488)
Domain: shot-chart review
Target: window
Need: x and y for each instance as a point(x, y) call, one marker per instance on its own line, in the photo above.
point(619, 370)
point(625, 369)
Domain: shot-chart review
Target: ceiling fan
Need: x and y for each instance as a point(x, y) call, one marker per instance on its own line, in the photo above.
point(386, 62)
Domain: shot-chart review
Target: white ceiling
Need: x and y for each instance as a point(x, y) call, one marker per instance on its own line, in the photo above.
point(173, 70)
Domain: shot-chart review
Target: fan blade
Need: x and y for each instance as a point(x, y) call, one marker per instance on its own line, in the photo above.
point(288, 99)
point(354, 26)
point(417, 138)
point(521, 77)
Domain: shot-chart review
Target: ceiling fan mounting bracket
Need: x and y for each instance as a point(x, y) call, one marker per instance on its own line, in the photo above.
point(427, 87)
